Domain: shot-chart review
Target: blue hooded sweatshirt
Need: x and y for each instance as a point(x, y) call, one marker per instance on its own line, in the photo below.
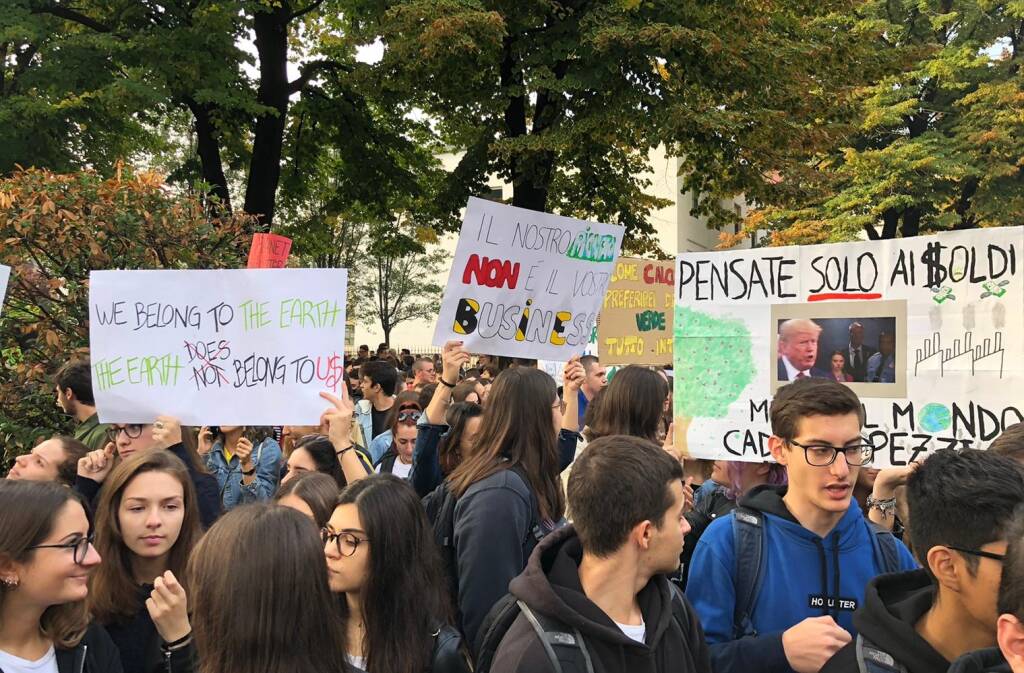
point(801, 571)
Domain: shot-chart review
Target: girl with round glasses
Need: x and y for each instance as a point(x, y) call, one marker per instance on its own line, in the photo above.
point(380, 556)
point(46, 557)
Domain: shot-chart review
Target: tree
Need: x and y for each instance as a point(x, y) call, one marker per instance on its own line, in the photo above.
point(565, 98)
point(938, 138)
point(55, 229)
point(399, 284)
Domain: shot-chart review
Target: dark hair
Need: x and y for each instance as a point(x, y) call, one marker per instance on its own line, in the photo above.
point(321, 451)
point(381, 373)
point(517, 430)
point(1011, 586)
point(407, 399)
point(404, 565)
point(318, 490)
point(835, 353)
point(1010, 442)
point(964, 498)
point(288, 620)
point(616, 483)
point(396, 412)
point(449, 449)
point(28, 513)
point(630, 405)
point(364, 347)
point(113, 593)
point(78, 377)
point(426, 394)
point(463, 390)
point(74, 451)
point(810, 397)
point(588, 362)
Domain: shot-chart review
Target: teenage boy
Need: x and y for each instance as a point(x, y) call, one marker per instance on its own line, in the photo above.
point(961, 505)
point(74, 397)
point(783, 600)
point(377, 381)
point(603, 579)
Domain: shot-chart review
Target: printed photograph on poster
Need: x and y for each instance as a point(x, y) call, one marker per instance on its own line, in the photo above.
point(859, 343)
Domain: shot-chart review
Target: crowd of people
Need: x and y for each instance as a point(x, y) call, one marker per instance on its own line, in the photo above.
point(464, 512)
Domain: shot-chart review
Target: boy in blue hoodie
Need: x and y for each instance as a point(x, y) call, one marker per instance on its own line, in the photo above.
point(818, 552)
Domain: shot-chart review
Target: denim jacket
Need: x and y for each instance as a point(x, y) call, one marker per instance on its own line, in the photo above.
point(266, 458)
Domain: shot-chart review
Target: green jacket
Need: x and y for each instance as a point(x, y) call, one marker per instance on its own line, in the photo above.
point(92, 433)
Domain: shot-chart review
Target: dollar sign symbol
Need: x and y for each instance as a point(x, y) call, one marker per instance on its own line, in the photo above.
point(932, 259)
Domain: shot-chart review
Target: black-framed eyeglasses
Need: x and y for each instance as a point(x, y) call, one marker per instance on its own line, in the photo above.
point(80, 547)
point(978, 552)
point(823, 455)
point(132, 431)
point(347, 543)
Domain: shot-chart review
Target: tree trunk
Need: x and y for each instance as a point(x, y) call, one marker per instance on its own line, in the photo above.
point(271, 28)
point(208, 146)
point(911, 222)
point(890, 220)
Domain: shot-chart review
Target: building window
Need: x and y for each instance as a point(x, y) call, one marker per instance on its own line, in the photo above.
point(492, 194)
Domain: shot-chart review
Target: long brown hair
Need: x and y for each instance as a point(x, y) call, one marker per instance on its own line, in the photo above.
point(113, 593)
point(517, 430)
point(28, 512)
point(631, 404)
point(404, 561)
point(260, 599)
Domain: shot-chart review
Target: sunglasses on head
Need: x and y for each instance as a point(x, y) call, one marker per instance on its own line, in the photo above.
point(410, 415)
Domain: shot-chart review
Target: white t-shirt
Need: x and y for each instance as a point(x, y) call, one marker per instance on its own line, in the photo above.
point(637, 633)
point(12, 664)
point(399, 469)
point(358, 663)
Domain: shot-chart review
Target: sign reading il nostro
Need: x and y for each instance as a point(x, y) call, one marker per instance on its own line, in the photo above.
point(231, 347)
point(525, 283)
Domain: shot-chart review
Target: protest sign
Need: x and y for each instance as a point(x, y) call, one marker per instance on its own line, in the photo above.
point(635, 327)
point(938, 321)
point(5, 275)
point(525, 283)
point(232, 347)
point(269, 251)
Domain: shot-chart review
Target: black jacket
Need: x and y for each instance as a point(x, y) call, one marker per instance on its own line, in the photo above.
point(449, 655)
point(140, 646)
point(715, 505)
point(551, 585)
point(892, 606)
point(207, 490)
point(95, 653)
point(988, 660)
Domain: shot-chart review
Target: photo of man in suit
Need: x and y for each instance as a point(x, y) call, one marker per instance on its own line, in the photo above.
point(857, 354)
point(882, 365)
point(798, 350)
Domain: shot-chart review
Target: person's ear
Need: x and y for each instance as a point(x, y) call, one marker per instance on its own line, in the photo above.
point(1010, 636)
point(642, 534)
point(777, 446)
point(948, 567)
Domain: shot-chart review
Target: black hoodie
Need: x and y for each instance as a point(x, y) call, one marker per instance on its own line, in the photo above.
point(551, 585)
point(893, 604)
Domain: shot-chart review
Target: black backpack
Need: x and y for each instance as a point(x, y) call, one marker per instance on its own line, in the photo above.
point(564, 645)
point(440, 507)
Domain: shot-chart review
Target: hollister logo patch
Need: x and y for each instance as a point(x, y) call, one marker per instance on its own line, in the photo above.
point(831, 602)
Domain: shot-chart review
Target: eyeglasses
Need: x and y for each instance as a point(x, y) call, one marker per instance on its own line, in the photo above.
point(978, 552)
point(80, 547)
point(347, 543)
point(823, 455)
point(132, 431)
point(409, 416)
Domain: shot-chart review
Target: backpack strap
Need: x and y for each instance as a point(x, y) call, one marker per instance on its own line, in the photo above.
point(680, 611)
point(884, 545)
point(560, 646)
point(536, 530)
point(872, 659)
point(748, 546)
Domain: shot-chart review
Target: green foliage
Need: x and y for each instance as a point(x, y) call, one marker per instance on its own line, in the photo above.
point(55, 229)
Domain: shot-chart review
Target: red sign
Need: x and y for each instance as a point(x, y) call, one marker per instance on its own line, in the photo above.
point(269, 251)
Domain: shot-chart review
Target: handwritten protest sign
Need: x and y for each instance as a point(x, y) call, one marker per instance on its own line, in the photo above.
point(525, 283)
point(636, 322)
point(929, 331)
point(232, 347)
point(5, 275)
point(269, 251)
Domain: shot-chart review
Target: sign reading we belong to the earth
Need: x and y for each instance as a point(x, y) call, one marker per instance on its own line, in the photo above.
point(225, 347)
point(525, 283)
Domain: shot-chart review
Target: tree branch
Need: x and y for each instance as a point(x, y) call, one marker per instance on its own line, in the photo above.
point(305, 10)
point(71, 15)
point(309, 70)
